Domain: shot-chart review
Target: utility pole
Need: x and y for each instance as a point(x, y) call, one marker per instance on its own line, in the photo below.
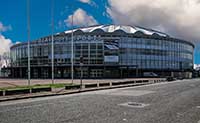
point(28, 33)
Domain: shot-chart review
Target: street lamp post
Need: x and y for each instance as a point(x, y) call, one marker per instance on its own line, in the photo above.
point(28, 33)
point(72, 52)
point(52, 42)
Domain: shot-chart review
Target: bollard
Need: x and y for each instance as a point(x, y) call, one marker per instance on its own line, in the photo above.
point(4, 92)
point(110, 83)
point(83, 86)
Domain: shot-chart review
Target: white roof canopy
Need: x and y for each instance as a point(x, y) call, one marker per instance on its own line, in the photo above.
point(113, 28)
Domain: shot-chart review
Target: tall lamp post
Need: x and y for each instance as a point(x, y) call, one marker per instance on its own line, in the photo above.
point(52, 42)
point(72, 52)
point(28, 34)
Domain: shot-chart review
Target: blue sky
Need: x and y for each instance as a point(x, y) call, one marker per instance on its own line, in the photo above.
point(13, 19)
point(13, 12)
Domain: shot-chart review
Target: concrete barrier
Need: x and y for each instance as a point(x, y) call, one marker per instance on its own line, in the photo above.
point(91, 85)
point(138, 81)
point(43, 89)
point(104, 84)
point(70, 87)
point(1, 93)
point(15, 92)
point(116, 83)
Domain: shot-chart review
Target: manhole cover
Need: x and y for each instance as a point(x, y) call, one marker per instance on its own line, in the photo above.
point(134, 104)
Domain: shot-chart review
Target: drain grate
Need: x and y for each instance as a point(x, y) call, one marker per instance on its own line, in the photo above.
point(134, 104)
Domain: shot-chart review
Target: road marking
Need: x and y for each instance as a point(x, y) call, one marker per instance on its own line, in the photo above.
point(199, 121)
point(198, 107)
point(127, 93)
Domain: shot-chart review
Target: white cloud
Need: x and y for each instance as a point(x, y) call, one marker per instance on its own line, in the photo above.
point(197, 66)
point(90, 2)
point(4, 28)
point(18, 42)
point(85, 1)
point(5, 44)
point(179, 18)
point(80, 18)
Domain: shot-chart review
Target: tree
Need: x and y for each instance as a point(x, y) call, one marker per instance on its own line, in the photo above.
point(5, 59)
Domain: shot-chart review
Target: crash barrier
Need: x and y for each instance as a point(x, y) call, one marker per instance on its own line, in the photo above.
point(71, 87)
point(121, 83)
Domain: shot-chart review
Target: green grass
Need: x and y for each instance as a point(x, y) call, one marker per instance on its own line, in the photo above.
point(57, 85)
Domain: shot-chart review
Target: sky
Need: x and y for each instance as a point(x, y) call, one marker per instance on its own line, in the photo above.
point(178, 18)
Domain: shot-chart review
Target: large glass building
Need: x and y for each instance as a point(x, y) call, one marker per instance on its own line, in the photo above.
point(109, 51)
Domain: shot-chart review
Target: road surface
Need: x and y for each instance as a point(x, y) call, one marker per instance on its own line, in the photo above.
point(176, 102)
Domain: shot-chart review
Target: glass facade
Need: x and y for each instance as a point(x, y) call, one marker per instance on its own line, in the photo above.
point(156, 53)
point(102, 53)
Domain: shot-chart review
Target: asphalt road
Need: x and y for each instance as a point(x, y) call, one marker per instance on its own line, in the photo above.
point(177, 102)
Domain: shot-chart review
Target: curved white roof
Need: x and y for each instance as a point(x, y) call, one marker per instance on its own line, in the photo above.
point(113, 28)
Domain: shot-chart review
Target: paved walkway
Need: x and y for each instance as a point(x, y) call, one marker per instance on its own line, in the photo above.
point(18, 82)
